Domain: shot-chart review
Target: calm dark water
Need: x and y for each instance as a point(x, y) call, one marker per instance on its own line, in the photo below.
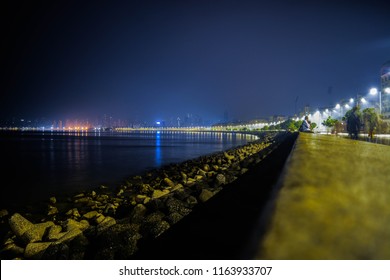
point(36, 165)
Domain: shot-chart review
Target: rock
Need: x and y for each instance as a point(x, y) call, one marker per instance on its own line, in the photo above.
point(205, 195)
point(83, 200)
point(12, 251)
point(90, 215)
point(36, 250)
point(71, 224)
point(53, 200)
point(52, 210)
point(190, 182)
point(156, 204)
point(19, 225)
point(117, 242)
point(198, 178)
point(54, 233)
point(146, 189)
point(244, 170)
point(191, 201)
point(154, 225)
point(158, 228)
point(36, 232)
point(159, 193)
point(220, 179)
point(103, 198)
point(78, 195)
point(78, 246)
point(99, 218)
point(73, 212)
point(140, 198)
point(168, 182)
point(177, 187)
point(184, 177)
point(227, 156)
point(173, 218)
point(138, 213)
point(206, 167)
point(202, 173)
point(182, 194)
point(175, 205)
point(56, 252)
point(69, 235)
point(105, 224)
point(109, 209)
point(3, 213)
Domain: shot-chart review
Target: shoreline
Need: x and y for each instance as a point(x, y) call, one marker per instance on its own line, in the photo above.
point(53, 164)
point(145, 206)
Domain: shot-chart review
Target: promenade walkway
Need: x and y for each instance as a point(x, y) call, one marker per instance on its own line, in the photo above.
point(333, 202)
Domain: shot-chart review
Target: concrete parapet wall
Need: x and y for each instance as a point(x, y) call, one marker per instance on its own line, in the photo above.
point(334, 202)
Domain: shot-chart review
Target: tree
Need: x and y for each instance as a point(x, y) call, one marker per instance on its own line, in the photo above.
point(330, 123)
point(313, 125)
point(289, 125)
point(371, 121)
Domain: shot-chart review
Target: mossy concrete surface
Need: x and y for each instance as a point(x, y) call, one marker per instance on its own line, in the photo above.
point(334, 202)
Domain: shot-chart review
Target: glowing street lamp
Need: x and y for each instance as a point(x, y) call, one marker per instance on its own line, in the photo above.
point(351, 100)
point(374, 91)
point(363, 100)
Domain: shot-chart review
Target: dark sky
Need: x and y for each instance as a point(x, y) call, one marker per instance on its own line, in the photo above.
point(161, 59)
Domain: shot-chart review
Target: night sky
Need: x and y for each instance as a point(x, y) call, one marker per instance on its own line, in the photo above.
point(160, 59)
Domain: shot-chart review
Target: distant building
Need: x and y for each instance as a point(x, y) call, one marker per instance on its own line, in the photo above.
point(385, 86)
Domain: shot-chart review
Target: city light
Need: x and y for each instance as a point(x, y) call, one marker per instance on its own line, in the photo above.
point(337, 106)
point(373, 91)
point(387, 90)
point(351, 100)
point(364, 101)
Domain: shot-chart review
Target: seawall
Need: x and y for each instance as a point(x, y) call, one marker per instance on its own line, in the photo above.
point(334, 202)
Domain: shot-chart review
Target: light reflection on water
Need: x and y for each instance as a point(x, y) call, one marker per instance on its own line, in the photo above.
point(38, 164)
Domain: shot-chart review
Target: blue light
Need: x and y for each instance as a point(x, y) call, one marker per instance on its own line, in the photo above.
point(158, 123)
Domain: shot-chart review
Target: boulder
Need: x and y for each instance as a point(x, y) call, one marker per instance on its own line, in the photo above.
point(173, 218)
point(19, 225)
point(205, 195)
point(168, 182)
point(159, 193)
point(72, 224)
point(90, 215)
point(138, 213)
point(3, 213)
point(220, 179)
point(69, 235)
point(55, 233)
point(175, 205)
point(117, 242)
point(36, 232)
point(105, 224)
point(36, 250)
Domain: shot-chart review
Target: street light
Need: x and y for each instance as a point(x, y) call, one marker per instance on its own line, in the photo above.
point(374, 91)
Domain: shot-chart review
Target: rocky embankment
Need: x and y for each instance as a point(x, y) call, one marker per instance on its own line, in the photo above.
point(113, 224)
